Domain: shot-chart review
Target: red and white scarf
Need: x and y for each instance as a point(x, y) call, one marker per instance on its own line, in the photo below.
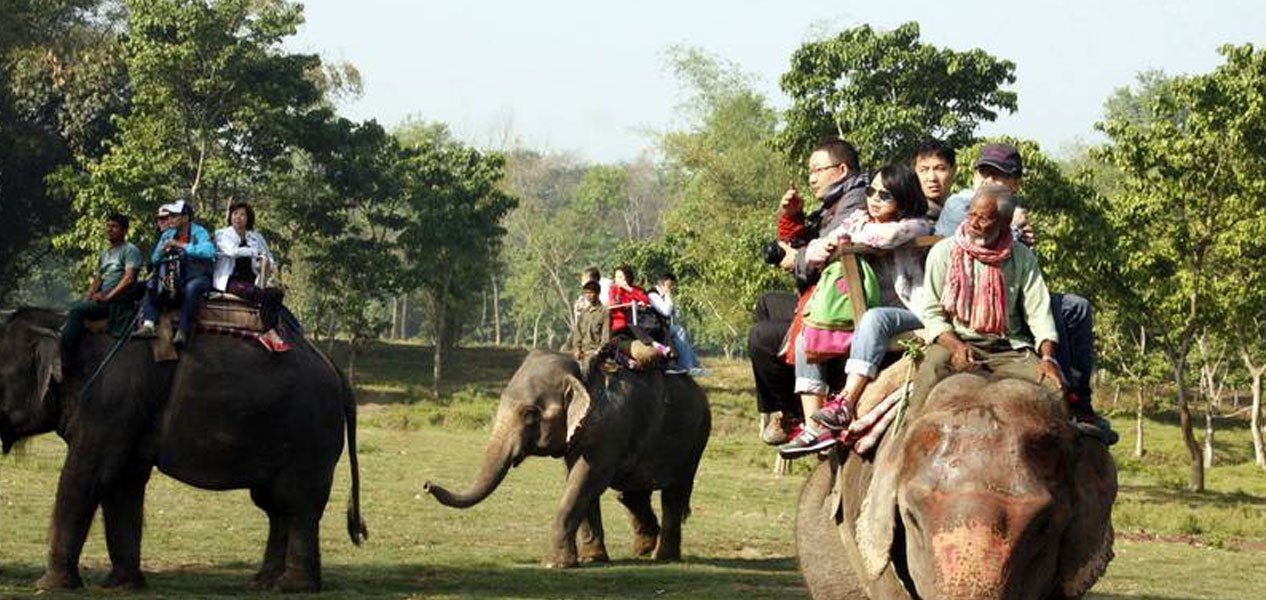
point(982, 305)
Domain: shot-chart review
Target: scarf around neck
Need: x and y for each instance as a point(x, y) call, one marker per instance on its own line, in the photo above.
point(982, 305)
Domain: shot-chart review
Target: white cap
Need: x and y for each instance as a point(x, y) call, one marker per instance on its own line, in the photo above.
point(174, 208)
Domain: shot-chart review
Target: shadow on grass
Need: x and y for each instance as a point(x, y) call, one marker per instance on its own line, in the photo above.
point(1170, 417)
point(1094, 596)
point(1155, 493)
point(703, 578)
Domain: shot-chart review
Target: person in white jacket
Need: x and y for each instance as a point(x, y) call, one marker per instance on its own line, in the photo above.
point(243, 265)
point(662, 301)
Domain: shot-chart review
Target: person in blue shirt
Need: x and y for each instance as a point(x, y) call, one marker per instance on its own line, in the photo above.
point(1001, 164)
point(187, 249)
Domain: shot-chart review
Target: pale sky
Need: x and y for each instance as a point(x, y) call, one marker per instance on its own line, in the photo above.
point(589, 77)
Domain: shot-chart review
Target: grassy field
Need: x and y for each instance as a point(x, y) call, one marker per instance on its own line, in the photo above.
point(1172, 545)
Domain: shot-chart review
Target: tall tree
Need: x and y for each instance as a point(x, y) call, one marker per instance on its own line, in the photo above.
point(728, 177)
point(1192, 185)
point(453, 232)
point(61, 82)
point(342, 208)
point(217, 108)
point(887, 91)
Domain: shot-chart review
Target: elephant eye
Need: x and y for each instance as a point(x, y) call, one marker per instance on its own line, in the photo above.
point(531, 415)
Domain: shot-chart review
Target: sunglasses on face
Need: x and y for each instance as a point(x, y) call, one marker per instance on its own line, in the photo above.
point(884, 196)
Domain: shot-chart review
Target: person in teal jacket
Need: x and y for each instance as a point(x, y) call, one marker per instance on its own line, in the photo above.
point(184, 251)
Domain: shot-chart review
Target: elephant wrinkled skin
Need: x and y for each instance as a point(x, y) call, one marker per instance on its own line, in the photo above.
point(986, 492)
point(634, 432)
point(226, 415)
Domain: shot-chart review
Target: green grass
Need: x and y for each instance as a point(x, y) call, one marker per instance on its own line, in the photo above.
point(737, 542)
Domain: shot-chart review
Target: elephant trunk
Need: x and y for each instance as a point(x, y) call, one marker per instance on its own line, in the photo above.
point(499, 457)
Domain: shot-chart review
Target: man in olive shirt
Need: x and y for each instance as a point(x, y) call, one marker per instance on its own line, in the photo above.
point(592, 325)
point(985, 303)
point(111, 289)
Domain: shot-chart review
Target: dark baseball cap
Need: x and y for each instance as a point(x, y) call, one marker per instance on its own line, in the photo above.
point(591, 285)
point(1003, 157)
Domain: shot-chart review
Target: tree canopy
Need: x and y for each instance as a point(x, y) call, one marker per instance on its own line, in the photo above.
point(887, 91)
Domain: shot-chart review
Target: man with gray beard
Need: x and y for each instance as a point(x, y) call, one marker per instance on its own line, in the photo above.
point(985, 304)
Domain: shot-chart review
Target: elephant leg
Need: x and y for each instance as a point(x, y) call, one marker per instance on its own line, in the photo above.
point(303, 555)
point(122, 510)
point(300, 497)
point(819, 548)
point(584, 485)
point(77, 499)
point(642, 518)
point(274, 563)
point(675, 504)
point(593, 545)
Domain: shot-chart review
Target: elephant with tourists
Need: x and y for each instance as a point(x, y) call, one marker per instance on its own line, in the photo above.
point(223, 413)
point(953, 458)
point(632, 430)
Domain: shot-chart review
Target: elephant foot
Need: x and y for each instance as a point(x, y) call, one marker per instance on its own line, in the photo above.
point(644, 545)
point(265, 579)
point(595, 557)
point(53, 580)
point(562, 561)
point(125, 579)
point(668, 555)
point(292, 582)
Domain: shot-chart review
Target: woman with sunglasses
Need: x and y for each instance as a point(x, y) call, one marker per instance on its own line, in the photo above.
point(895, 214)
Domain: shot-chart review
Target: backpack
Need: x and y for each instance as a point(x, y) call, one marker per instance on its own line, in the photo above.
point(828, 315)
point(171, 278)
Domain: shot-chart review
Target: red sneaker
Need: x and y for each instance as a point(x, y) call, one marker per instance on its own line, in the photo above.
point(807, 441)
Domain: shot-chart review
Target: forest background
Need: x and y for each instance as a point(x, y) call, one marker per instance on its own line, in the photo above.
point(406, 232)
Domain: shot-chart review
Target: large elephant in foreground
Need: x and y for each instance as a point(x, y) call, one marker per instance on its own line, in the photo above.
point(635, 432)
point(226, 415)
point(988, 492)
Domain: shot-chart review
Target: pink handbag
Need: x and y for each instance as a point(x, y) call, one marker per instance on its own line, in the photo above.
point(822, 345)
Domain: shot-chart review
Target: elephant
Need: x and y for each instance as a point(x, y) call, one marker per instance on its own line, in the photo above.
point(989, 491)
point(226, 415)
point(635, 432)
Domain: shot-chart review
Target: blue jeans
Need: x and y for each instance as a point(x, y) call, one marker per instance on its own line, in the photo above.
point(809, 378)
point(870, 340)
point(686, 356)
point(1075, 322)
point(195, 287)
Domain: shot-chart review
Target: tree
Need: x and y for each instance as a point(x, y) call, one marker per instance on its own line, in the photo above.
point(343, 209)
point(61, 81)
point(728, 177)
point(217, 109)
point(1191, 189)
point(452, 235)
point(887, 91)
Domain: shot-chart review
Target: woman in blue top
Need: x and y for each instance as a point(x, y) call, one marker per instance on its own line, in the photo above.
point(185, 246)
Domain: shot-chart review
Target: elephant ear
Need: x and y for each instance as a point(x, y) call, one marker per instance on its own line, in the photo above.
point(876, 522)
point(48, 362)
point(1087, 542)
point(578, 403)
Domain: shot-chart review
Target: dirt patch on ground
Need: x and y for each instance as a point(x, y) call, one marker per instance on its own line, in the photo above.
point(1241, 544)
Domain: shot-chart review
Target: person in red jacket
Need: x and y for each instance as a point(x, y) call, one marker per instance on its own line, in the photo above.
point(640, 339)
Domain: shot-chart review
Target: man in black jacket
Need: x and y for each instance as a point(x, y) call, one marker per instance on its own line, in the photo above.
point(837, 180)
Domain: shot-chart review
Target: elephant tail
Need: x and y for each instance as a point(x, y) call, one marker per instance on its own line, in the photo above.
point(356, 529)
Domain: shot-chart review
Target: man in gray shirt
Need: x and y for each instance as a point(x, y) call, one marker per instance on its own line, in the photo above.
point(111, 290)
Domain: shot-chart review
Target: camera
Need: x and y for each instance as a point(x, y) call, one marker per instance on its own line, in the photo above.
point(772, 252)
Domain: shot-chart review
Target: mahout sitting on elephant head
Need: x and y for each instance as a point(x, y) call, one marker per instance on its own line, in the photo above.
point(633, 431)
point(220, 418)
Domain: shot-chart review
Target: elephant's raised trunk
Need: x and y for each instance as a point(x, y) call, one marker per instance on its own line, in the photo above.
point(499, 457)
